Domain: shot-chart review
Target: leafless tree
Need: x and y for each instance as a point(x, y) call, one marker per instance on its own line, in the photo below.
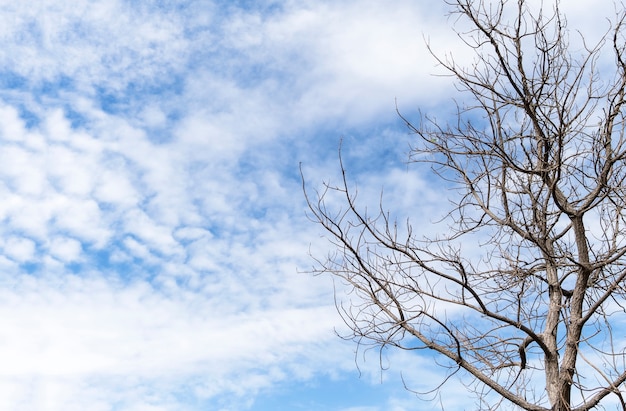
point(538, 320)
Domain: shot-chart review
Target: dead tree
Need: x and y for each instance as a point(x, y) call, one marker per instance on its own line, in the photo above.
point(538, 317)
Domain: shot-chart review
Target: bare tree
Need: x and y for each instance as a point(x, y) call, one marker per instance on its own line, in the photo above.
point(539, 318)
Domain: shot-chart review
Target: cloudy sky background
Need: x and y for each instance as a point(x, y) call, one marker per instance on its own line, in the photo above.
point(153, 237)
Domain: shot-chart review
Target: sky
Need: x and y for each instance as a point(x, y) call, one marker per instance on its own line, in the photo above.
point(154, 243)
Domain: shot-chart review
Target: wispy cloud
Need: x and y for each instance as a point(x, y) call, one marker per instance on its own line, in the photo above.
point(153, 224)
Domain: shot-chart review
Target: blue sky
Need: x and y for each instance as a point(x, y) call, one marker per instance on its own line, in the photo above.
point(153, 237)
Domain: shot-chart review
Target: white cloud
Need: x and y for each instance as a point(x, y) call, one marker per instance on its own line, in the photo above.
point(153, 116)
point(19, 248)
point(73, 331)
point(65, 249)
point(11, 126)
point(345, 60)
point(169, 262)
point(109, 41)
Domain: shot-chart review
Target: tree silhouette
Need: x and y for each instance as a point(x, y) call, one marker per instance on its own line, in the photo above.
point(538, 159)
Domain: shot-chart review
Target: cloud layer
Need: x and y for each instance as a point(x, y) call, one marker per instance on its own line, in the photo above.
point(154, 240)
